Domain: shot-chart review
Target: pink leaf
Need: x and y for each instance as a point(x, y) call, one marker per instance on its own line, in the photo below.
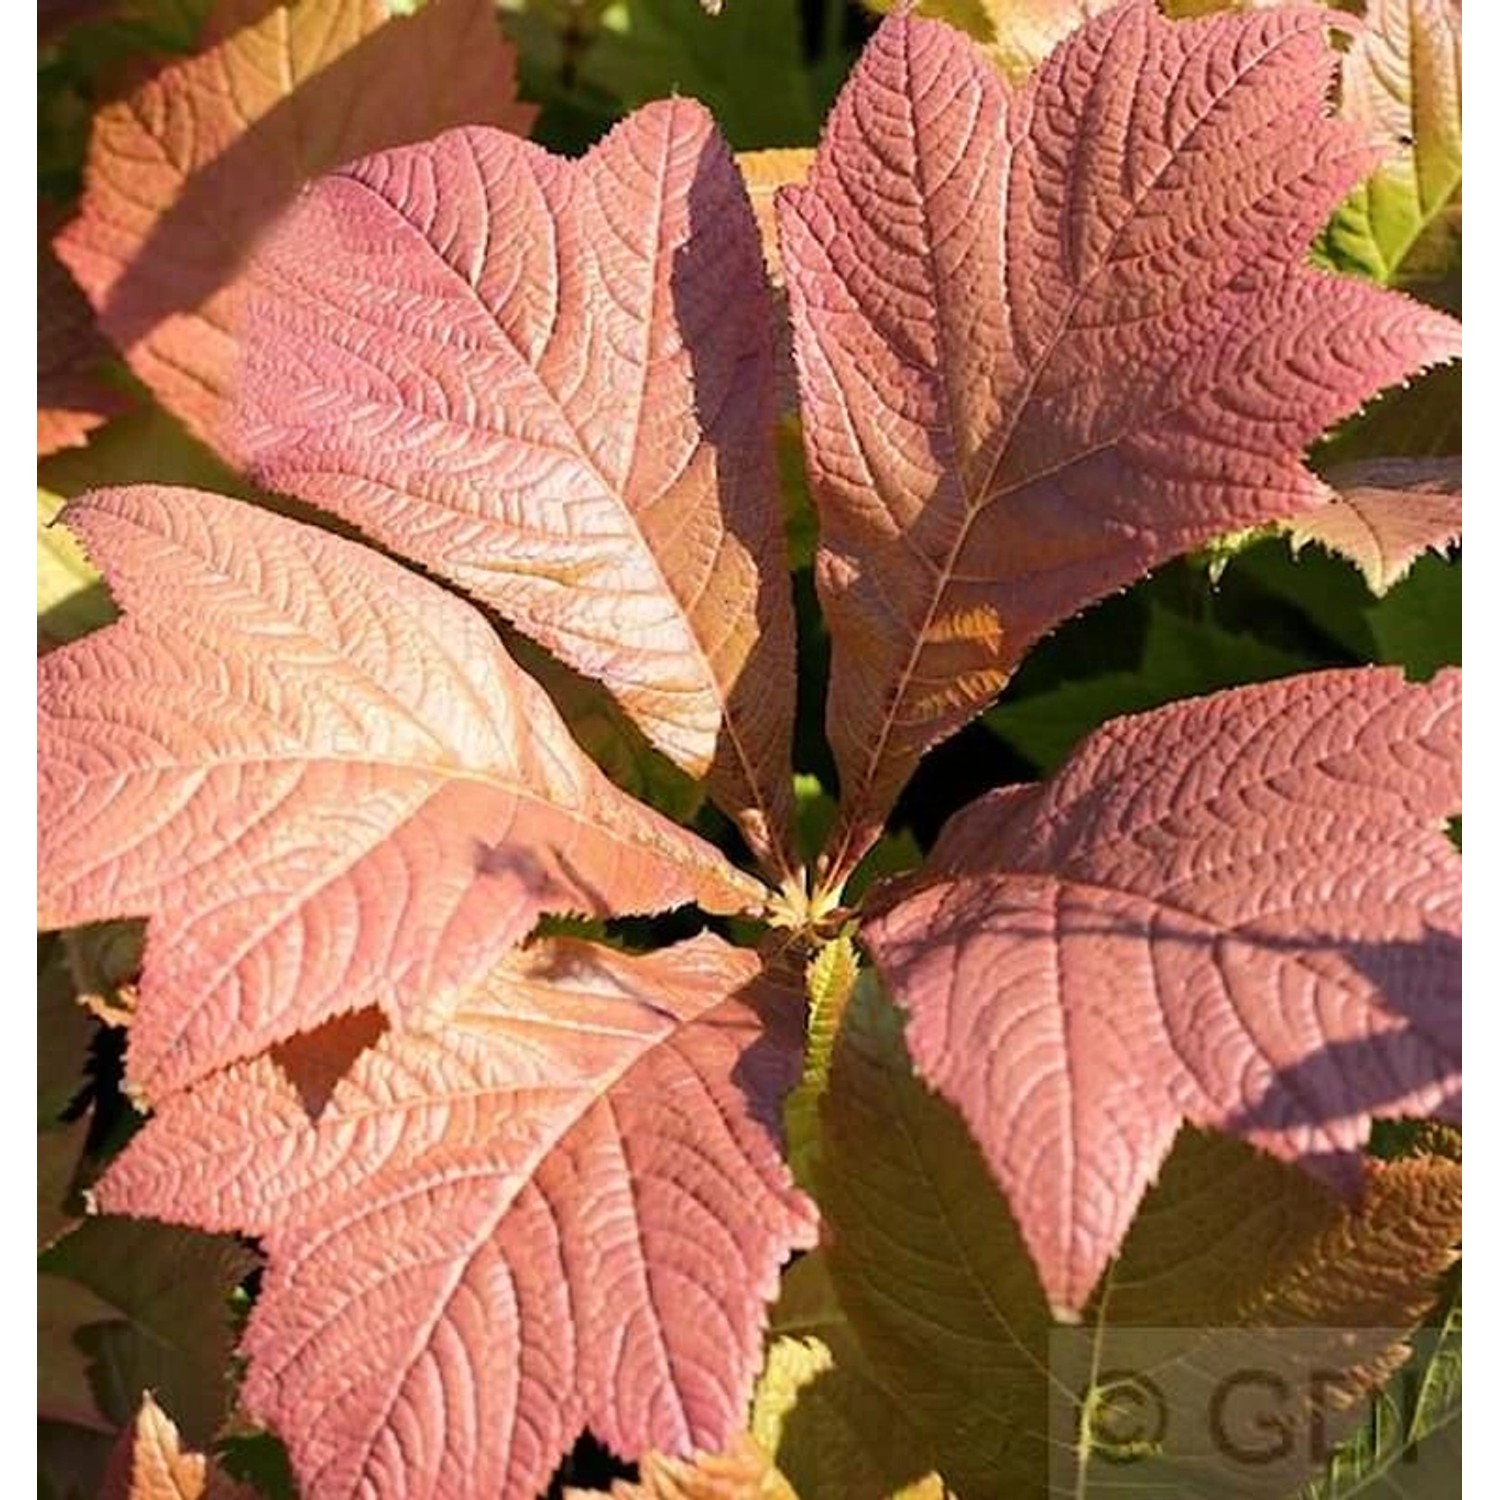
point(551, 383)
point(567, 1207)
point(321, 777)
point(1241, 911)
point(1049, 336)
point(186, 171)
point(1389, 512)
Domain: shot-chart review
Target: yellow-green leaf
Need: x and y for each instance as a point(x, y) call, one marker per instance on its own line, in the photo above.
point(1229, 1246)
point(1403, 82)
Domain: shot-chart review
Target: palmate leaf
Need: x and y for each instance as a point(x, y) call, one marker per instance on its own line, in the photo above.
point(323, 780)
point(1049, 336)
point(1241, 911)
point(567, 1207)
point(186, 171)
point(559, 397)
point(1229, 1250)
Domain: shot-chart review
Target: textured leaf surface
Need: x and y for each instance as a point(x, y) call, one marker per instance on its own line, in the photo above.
point(323, 780)
point(831, 974)
point(1403, 84)
point(71, 396)
point(149, 1464)
point(559, 398)
point(566, 1208)
point(187, 171)
point(929, 1267)
point(1240, 911)
point(147, 1306)
point(1389, 512)
point(1050, 336)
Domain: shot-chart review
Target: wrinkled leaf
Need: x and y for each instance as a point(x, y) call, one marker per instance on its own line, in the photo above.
point(931, 1270)
point(190, 168)
point(1154, 363)
point(1388, 512)
point(321, 777)
point(830, 982)
point(566, 1208)
point(1403, 84)
point(1241, 911)
point(561, 400)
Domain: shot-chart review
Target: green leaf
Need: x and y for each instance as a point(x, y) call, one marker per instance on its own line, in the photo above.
point(1409, 1446)
point(1228, 1247)
point(71, 599)
point(819, 1410)
point(1402, 85)
point(146, 446)
point(746, 64)
point(830, 982)
point(1419, 623)
point(1180, 658)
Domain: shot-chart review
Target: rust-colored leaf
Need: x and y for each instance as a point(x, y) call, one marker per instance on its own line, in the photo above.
point(189, 169)
point(567, 1207)
point(1049, 336)
point(559, 397)
point(322, 779)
